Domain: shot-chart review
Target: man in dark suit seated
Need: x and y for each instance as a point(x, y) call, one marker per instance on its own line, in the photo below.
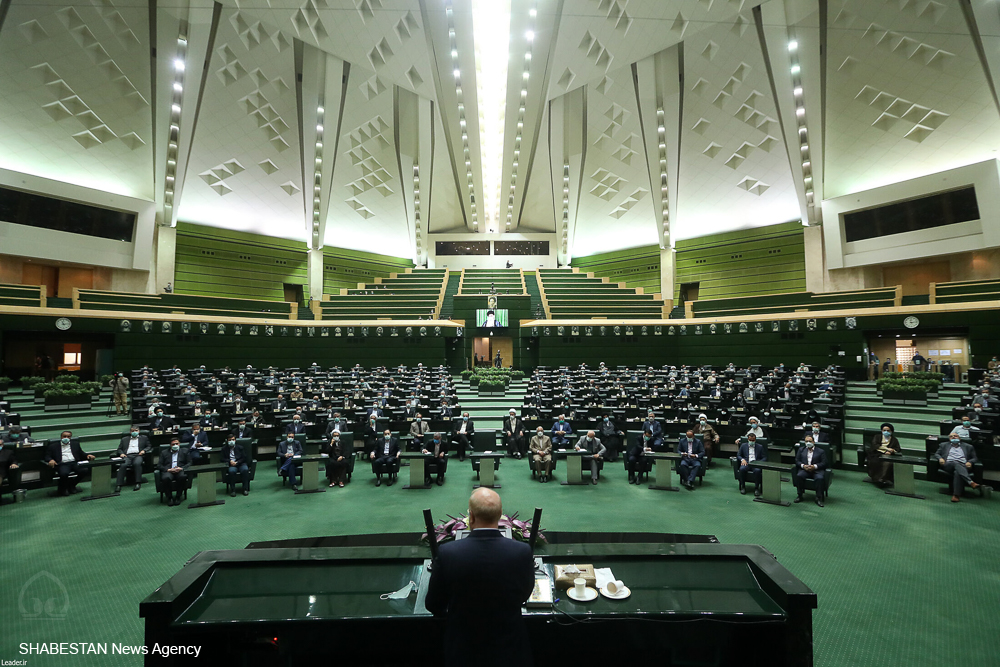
point(642, 445)
point(242, 430)
point(336, 424)
point(287, 451)
point(513, 434)
point(749, 452)
point(654, 427)
point(957, 458)
point(8, 462)
point(480, 583)
point(382, 456)
point(439, 448)
point(560, 432)
point(131, 448)
point(817, 434)
point(210, 419)
point(161, 422)
point(462, 434)
point(174, 463)
point(16, 436)
point(810, 463)
point(65, 454)
point(233, 453)
point(692, 453)
point(296, 427)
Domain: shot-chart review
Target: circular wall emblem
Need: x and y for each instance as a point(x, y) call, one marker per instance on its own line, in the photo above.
point(911, 322)
point(63, 323)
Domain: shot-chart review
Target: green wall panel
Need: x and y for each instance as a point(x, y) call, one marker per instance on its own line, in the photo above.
point(343, 268)
point(765, 260)
point(224, 262)
point(636, 267)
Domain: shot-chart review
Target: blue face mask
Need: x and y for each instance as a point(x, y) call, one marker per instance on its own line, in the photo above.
point(65, 441)
point(135, 434)
point(966, 423)
point(465, 418)
point(955, 441)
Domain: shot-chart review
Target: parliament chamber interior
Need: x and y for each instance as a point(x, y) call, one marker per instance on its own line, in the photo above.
point(707, 292)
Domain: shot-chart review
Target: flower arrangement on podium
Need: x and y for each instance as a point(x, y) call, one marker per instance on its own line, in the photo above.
point(446, 530)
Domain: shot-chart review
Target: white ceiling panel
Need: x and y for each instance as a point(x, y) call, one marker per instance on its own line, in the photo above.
point(244, 171)
point(734, 169)
point(615, 206)
point(907, 95)
point(366, 203)
point(75, 95)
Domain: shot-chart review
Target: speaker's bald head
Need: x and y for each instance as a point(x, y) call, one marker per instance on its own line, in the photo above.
point(485, 508)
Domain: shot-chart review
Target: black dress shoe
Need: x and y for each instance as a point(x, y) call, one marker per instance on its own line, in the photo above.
point(819, 502)
point(76, 489)
point(593, 480)
point(743, 489)
point(232, 494)
point(118, 489)
point(756, 493)
point(378, 482)
point(245, 492)
point(427, 481)
point(440, 481)
point(295, 487)
point(798, 499)
point(137, 487)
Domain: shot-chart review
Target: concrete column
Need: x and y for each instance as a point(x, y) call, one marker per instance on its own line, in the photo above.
point(668, 271)
point(315, 274)
point(165, 258)
point(815, 259)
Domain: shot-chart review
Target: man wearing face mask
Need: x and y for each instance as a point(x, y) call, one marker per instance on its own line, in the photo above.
point(386, 452)
point(242, 430)
point(592, 445)
point(753, 426)
point(513, 433)
point(885, 443)
point(561, 432)
point(233, 453)
point(336, 463)
point(692, 453)
point(810, 463)
point(419, 429)
point(749, 452)
point(65, 454)
point(817, 433)
point(296, 426)
point(210, 419)
point(462, 434)
point(335, 425)
point(287, 451)
point(709, 437)
point(634, 456)
point(174, 463)
point(541, 454)
point(131, 449)
point(439, 449)
point(653, 426)
point(611, 437)
point(965, 429)
point(957, 458)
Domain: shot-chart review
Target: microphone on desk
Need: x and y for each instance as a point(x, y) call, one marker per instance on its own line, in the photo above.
point(535, 522)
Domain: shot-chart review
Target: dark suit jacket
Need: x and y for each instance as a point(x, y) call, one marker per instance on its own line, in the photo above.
point(470, 427)
point(515, 426)
point(283, 448)
point(8, 457)
point(380, 447)
point(54, 452)
point(822, 437)
point(696, 447)
point(123, 445)
point(247, 432)
point(166, 456)
point(209, 420)
point(296, 428)
point(237, 454)
point(758, 452)
point(656, 429)
point(163, 423)
point(970, 451)
point(201, 440)
point(819, 458)
point(481, 582)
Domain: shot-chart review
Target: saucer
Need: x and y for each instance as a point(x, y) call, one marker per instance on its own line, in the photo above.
point(588, 595)
point(621, 595)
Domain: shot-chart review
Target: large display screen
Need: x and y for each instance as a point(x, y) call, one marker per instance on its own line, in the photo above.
point(491, 318)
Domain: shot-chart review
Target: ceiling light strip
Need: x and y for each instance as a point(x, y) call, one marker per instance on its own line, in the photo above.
point(491, 36)
point(800, 121)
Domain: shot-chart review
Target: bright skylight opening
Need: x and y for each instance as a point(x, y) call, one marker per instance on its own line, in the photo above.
point(491, 36)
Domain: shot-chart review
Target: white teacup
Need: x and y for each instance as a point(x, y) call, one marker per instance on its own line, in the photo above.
point(615, 587)
point(580, 587)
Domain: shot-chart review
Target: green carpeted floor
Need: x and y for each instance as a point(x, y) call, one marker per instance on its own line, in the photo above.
point(900, 581)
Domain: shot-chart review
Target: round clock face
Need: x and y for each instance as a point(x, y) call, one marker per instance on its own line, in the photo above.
point(911, 322)
point(63, 323)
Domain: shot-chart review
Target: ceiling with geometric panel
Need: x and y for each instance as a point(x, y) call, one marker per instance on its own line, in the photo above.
point(370, 124)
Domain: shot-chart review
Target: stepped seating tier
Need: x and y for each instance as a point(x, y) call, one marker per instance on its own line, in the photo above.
point(32, 296)
point(965, 290)
point(415, 293)
point(881, 297)
point(187, 304)
point(567, 293)
point(482, 281)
